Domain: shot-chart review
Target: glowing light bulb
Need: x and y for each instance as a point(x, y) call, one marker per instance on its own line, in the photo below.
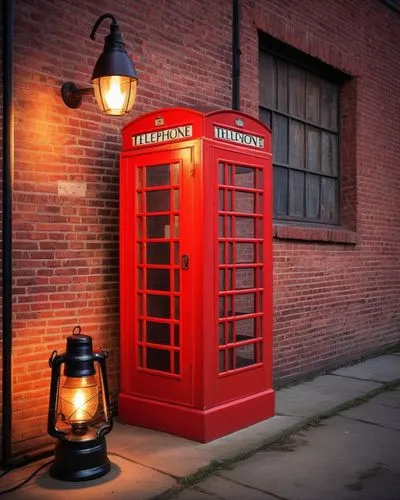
point(115, 95)
point(114, 98)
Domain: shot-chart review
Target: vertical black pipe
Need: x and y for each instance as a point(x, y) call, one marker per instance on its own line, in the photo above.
point(8, 163)
point(235, 55)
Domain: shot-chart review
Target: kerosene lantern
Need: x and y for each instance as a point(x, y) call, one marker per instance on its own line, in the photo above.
point(79, 410)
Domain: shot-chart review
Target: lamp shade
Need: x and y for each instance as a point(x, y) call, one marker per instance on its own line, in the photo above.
point(114, 76)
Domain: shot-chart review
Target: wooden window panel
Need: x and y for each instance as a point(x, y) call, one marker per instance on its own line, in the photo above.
point(267, 81)
point(329, 200)
point(313, 146)
point(297, 103)
point(329, 159)
point(282, 81)
point(280, 138)
point(313, 200)
point(296, 145)
point(265, 116)
point(280, 191)
point(301, 107)
point(312, 98)
point(296, 193)
point(329, 105)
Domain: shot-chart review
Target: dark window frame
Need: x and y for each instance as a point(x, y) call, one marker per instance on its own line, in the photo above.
point(312, 66)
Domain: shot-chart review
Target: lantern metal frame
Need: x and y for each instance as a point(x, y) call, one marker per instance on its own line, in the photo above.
point(113, 61)
point(80, 454)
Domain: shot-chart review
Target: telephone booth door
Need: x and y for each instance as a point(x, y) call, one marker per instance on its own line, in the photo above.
point(242, 263)
point(156, 217)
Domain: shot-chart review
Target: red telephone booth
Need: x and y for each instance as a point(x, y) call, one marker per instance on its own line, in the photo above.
point(196, 273)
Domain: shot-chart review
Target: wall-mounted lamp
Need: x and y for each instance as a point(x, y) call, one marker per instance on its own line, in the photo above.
point(114, 76)
point(79, 410)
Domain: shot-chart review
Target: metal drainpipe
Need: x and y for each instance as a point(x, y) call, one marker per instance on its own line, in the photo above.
point(235, 55)
point(8, 168)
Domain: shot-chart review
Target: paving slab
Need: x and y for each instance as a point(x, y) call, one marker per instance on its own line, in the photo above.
point(171, 454)
point(381, 369)
point(125, 481)
point(389, 398)
point(332, 461)
point(321, 395)
point(374, 413)
point(164, 452)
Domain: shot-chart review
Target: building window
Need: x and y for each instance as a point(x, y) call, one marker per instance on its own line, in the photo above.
point(299, 100)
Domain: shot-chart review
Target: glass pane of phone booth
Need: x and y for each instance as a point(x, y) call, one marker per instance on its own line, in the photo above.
point(158, 271)
point(240, 269)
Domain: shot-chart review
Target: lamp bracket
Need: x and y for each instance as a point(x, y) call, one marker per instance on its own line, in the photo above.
point(114, 24)
point(72, 96)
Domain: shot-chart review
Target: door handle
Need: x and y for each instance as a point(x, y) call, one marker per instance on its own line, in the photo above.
point(185, 262)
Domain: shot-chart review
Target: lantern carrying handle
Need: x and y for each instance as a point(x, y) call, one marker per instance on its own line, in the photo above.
point(104, 429)
point(55, 363)
point(53, 355)
point(76, 330)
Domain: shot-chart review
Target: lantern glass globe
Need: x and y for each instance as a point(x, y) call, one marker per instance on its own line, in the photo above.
point(79, 401)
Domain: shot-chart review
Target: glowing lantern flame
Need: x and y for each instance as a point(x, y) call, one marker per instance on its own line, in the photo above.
point(113, 96)
point(79, 399)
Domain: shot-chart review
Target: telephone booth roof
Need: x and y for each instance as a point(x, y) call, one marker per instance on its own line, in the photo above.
point(233, 127)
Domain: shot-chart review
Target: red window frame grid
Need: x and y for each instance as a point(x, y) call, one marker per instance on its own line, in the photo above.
point(257, 216)
point(142, 318)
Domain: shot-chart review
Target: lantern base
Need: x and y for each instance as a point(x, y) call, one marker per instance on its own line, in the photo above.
point(80, 460)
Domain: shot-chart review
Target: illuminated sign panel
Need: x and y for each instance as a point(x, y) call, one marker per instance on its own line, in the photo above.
point(169, 134)
point(238, 137)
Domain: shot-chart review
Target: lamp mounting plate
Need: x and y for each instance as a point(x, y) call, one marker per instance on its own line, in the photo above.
point(70, 95)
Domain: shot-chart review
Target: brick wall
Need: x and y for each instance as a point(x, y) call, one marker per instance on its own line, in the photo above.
point(333, 301)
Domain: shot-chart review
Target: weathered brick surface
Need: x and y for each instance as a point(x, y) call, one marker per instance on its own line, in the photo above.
point(333, 301)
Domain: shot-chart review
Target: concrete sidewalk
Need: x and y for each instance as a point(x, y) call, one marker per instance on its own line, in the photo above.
point(147, 463)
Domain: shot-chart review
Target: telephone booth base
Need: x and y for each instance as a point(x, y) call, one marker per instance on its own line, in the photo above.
point(194, 424)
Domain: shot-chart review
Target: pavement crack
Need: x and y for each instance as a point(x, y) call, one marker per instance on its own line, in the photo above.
point(208, 492)
point(358, 378)
point(235, 481)
point(370, 423)
point(176, 478)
